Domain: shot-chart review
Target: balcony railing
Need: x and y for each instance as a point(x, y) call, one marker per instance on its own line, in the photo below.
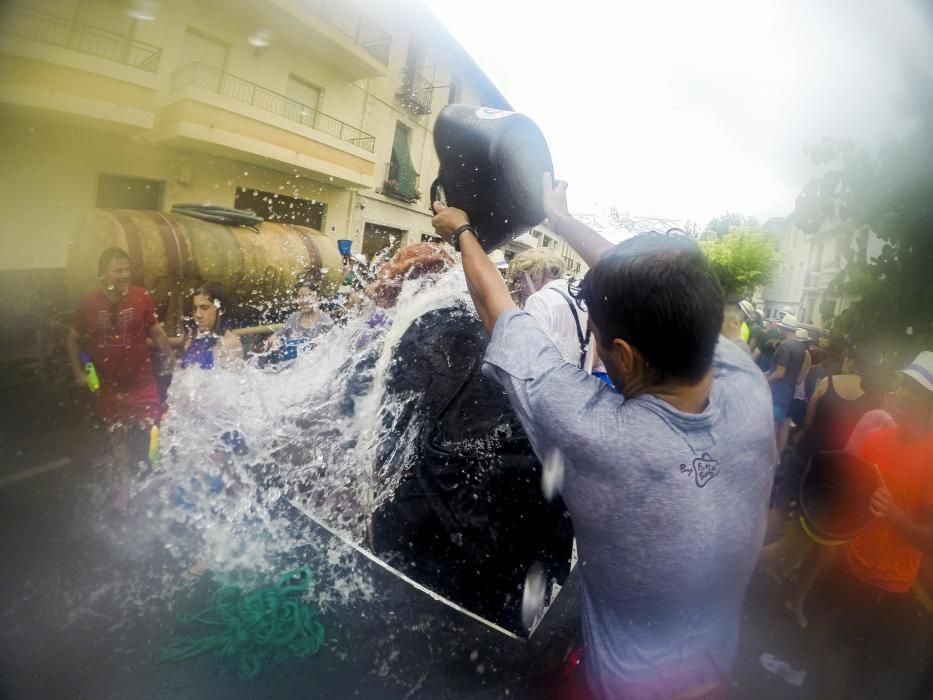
point(66, 33)
point(397, 188)
point(416, 93)
point(216, 81)
point(351, 22)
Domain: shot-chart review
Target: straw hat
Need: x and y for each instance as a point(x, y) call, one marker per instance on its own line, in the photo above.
point(801, 334)
point(789, 322)
point(921, 370)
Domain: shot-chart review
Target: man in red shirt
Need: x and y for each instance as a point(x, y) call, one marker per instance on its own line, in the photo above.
point(112, 325)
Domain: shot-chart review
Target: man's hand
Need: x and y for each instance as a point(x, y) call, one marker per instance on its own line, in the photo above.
point(448, 220)
point(554, 198)
point(882, 505)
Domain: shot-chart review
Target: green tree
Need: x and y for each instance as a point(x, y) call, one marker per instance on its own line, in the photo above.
point(889, 193)
point(724, 223)
point(742, 259)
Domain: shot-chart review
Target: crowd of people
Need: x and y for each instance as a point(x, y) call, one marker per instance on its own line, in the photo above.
point(686, 430)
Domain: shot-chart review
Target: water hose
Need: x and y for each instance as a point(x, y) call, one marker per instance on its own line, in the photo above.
point(254, 629)
point(218, 215)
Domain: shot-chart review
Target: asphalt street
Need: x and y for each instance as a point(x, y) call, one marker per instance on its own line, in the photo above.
point(84, 612)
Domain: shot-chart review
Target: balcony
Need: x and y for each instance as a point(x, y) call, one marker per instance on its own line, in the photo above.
point(336, 30)
point(416, 94)
point(354, 25)
point(213, 80)
point(399, 188)
point(61, 32)
point(51, 64)
point(210, 110)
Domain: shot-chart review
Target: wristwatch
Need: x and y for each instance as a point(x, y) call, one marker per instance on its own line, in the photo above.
point(455, 236)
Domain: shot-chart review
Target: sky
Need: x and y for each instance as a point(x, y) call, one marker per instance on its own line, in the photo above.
point(684, 110)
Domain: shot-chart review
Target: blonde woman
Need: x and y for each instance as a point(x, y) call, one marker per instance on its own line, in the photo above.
point(538, 283)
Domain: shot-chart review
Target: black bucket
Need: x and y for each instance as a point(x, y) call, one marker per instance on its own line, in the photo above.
point(834, 495)
point(492, 162)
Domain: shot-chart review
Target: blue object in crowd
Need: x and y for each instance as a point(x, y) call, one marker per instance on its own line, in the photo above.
point(200, 352)
point(602, 376)
point(235, 441)
point(343, 246)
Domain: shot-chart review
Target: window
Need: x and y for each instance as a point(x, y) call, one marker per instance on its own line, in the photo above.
point(122, 192)
point(281, 208)
point(413, 60)
point(105, 14)
point(380, 240)
point(401, 179)
point(307, 95)
point(200, 48)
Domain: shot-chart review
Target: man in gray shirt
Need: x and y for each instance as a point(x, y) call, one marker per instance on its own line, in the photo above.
point(668, 481)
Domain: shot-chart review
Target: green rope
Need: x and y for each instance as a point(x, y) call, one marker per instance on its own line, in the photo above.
point(255, 628)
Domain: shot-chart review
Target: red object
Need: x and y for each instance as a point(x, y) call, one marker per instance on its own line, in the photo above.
point(137, 408)
point(879, 556)
point(114, 334)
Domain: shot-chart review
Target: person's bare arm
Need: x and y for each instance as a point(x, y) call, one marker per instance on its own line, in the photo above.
point(777, 373)
point(815, 400)
point(487, 288)
point(73, 346)
point(589, 244)
point(918, 535)
point(804, 368)
point(159, 338)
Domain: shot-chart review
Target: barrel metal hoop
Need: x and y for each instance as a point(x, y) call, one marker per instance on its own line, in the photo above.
point(133, 248)
point(314, 260)
point(176, 248)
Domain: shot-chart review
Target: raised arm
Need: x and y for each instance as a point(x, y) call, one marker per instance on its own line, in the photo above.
point(487, 288)
point(589, 244)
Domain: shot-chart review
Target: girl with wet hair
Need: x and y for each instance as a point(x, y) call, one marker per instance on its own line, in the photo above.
point(210, 341)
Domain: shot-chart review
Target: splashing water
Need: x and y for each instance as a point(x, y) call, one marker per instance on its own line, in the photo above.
point(240, 445)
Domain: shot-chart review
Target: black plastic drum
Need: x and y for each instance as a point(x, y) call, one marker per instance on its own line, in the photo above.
point(834, 495)
point(492, 162)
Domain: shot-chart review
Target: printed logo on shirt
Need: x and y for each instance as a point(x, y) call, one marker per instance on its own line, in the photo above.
point(704, 468)
point(115, 328)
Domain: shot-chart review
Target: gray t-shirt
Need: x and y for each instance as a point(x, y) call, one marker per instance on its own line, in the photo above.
point(293, 329)
point(790, 354)
point(668, 507)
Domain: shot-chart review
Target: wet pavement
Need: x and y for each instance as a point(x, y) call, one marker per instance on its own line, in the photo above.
point(84, 613)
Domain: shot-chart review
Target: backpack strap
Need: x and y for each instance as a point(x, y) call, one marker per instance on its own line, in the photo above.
point(584, 339)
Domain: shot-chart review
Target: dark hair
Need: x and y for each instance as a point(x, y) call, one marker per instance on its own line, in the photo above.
point(309, 280)
point(214, 291)
point(656, 292)
point(868, 364)
point(103, 262)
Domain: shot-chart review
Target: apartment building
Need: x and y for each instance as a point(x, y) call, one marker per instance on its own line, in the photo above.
point(543, 237)
point(807, 264)
point(316, 112)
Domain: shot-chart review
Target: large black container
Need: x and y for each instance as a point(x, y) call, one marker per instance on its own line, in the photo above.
point(835, 492)
point(492, 162)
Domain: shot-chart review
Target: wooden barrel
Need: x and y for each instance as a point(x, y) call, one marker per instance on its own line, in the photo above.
point(171, 254)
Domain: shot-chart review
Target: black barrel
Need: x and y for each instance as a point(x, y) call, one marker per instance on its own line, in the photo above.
point(835, 492)
point(491, 164)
